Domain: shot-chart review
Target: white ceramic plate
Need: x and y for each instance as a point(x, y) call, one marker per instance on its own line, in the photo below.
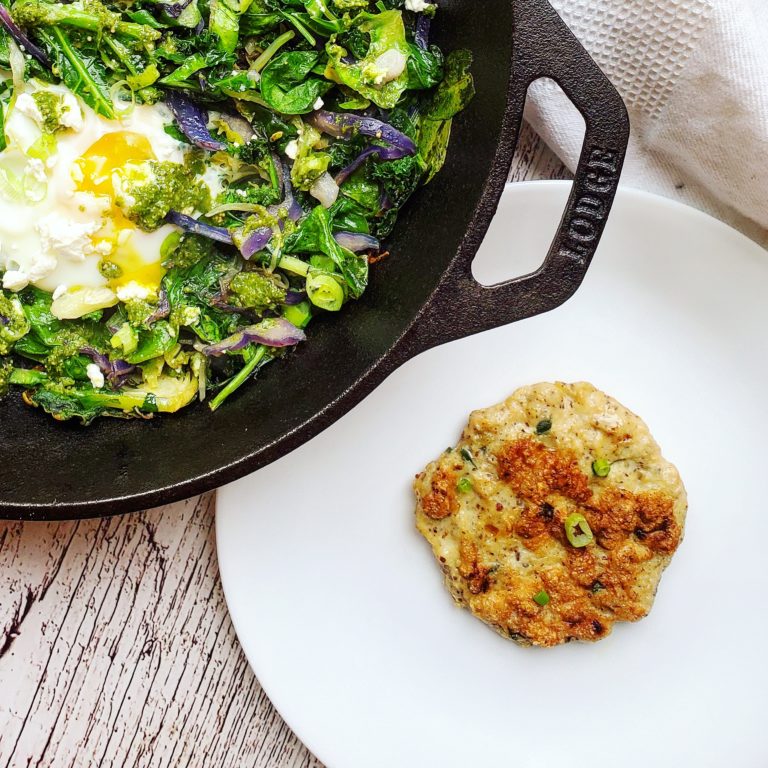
point(340, 607)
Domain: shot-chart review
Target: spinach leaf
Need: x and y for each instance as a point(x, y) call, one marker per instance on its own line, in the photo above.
point(81, 69)
point(286, 85)
point(452, 96)
point(258, 19)
point(153, 343)
point(196, 287)
point(455, 91)
point(425, 68)
point(363, 191)
point(224, 21)
point(315, 235)
point(371, 76)
point(348, 216)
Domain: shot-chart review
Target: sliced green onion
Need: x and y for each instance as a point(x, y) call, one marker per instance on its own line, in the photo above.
point(577, 530)
point(43, 147)
point(123, 107)
point(324, 291)
point(543, 426)
point(601, 467)
point(542, 598)
point(293, 265)
point(465, 485)
point(169, 245)
point(466, 454)
point(125, 338)
point(298, 314)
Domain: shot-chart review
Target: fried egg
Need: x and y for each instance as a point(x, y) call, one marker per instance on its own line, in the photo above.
point(60, 220)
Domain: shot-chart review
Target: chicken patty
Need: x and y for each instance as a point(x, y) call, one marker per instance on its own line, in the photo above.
point(554, 516)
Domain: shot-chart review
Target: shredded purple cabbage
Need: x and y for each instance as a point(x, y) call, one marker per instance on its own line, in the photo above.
point(5, 320)
point(289, 203)
point(421, 33)
point(385, 153)
point(174, 10)
point(292, 298)
point(255, 242)
point(193, 121)
point(273, 332)
point(189, 224)
point(21, 39)
point(345, 125)
point(116, 372)
point(357, 241)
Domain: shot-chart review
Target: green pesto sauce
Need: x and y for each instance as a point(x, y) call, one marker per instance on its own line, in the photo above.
point(110, 270)
point(138, 311)
point(57, 362)
point(51, 106)
point(14, 324)
point(308, 169)
point(156, 188)
point(190, 250)
point(254, 290)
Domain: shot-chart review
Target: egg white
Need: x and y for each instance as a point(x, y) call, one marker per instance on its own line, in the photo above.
point(52, 238)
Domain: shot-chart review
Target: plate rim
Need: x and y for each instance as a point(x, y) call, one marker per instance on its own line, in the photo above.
point(291, 719)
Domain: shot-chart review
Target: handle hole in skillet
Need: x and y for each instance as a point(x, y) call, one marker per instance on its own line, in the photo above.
point(512, 247)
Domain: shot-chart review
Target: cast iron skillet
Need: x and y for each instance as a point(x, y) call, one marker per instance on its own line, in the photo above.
point(423, 295)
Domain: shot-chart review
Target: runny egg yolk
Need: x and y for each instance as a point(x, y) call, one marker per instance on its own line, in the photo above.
point(93, 174)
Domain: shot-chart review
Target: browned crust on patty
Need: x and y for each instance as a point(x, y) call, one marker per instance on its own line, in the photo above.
point(509, 542)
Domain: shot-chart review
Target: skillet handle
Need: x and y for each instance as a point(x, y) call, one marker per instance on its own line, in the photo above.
point(543, 46)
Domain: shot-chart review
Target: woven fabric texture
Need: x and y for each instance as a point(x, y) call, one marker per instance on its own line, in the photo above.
point(694, 76)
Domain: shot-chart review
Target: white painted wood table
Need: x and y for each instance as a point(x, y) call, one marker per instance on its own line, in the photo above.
point(116, 648)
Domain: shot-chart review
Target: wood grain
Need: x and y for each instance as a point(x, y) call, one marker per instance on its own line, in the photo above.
point(116, 648)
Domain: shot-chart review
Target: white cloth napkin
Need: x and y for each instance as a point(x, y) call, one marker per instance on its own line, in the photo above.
point(694, 76)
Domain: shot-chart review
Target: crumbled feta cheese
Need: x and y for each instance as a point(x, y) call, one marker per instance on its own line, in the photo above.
point(61, 237)
point(417, 6)
point(36, 169)
point(95, 376)
point(131, 291)
point(41, 265)
point(59, 292)
point(28, 106)
point(292, 149)
point(15, 280)
point(71, 114)
point(319, 104)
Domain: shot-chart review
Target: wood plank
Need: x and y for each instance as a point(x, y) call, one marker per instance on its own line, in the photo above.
point(116, 648)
